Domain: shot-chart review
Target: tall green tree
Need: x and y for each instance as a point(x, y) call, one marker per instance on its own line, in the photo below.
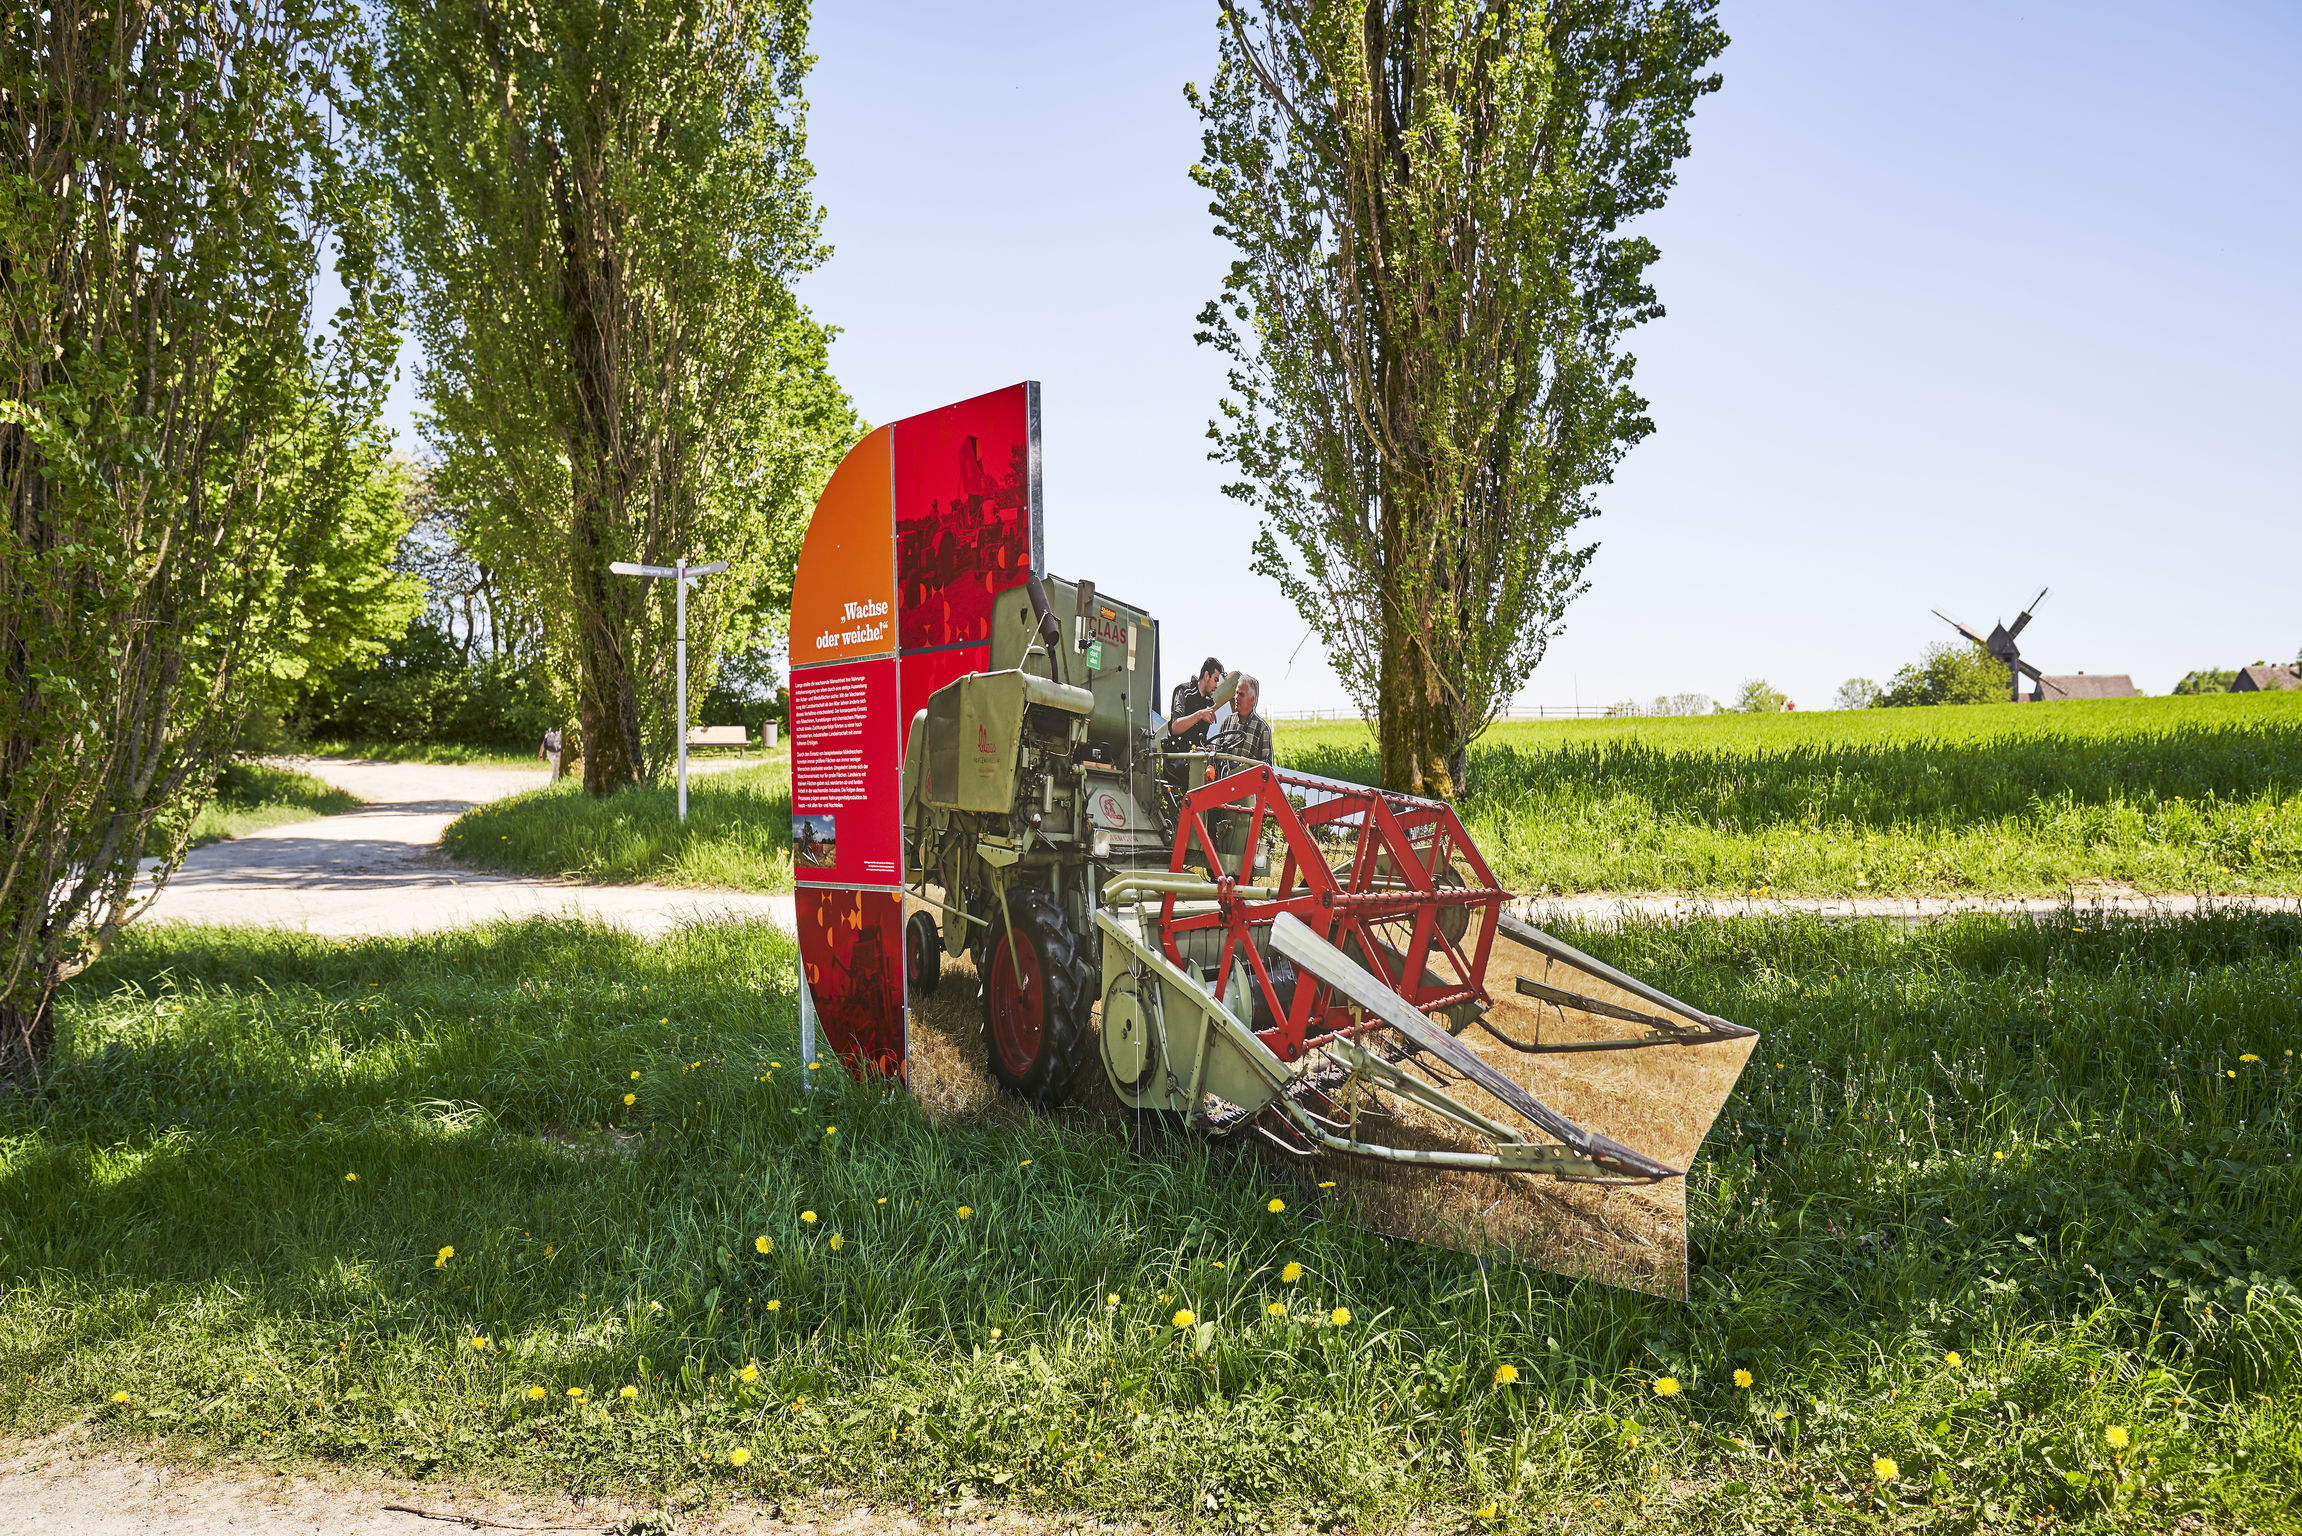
point(1426, 319)
point(1953, 672)
point(177, 440)
point(603, 204)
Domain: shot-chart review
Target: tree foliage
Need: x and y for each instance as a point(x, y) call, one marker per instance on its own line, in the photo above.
point(1857, 693)
point(188, 465)
point(2207, 680)
point(1954, 672)
point(604, 206)
point(1757, 696)
point(1426, 319)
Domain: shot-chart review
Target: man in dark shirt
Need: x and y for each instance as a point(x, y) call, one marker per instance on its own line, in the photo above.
point(1192, 712)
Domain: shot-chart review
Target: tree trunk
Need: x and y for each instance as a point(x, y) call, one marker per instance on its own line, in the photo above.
point(27, 1038)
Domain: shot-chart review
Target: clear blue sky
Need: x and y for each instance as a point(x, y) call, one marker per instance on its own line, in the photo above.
point(1964, 300)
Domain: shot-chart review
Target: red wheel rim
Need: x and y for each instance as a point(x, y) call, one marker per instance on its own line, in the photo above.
point(1018, 1003)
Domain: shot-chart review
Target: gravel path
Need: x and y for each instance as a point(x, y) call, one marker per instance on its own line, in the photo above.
point(379, 869)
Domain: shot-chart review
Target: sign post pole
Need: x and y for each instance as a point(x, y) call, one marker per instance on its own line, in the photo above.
point(681, 574)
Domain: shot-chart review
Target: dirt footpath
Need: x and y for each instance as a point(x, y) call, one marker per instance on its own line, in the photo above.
point(63, 1486)
point(379, 870)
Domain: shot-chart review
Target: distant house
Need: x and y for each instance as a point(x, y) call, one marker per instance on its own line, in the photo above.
point(2089, 685)
point(2264, 679)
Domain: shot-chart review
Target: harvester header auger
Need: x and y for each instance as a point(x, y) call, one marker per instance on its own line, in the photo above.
point(1005, 877)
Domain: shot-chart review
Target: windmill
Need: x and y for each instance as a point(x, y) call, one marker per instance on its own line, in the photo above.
point(2004, 651)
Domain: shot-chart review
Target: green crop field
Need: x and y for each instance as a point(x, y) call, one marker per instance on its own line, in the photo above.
point(2013, 1206)
point(737, 836)
point(2186, 794)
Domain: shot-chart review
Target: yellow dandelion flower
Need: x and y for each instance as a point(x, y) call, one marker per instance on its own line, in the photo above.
point(1276, 1206)
point(1184, 1319)
point(1885, 1468)
point(2249, 1056)
point(1340, 1316)
point(1277, 1309)
point(575, 1394)
point(1487, 1513)
point(1330, 1184)
point(808, 1217)
point(882, 1199)
point(1998, 1157)
point(446, 1254)
point(740, 1456)
point(635, 1077)
point(831, 1130)
point(1506, 1375)
point(1111, 1300)
point(1218, 1263)
point(535, 1394)
point(1666, 1386)
point(837, 1242)
point(628, 1393)
point(1291, 1274)
point(997, 1335)
point(1630, 1442)
point(775, 1066)
point(1954, 1360)
point(748, 1375)
point(763, 1243)
point(2116, 1436)
point(351, 1178)
point(775, 1306)
point(119, 1397)
point(1025, 1163)
point(1742, 1378)
point(966, 1211)
point(480, 1341)
point(2229, 1072)
point(631, 1098)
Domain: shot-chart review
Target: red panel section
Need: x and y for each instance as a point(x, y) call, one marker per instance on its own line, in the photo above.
point(962, 515)
point(851, 947)
point(926, 671)
point(846, 774)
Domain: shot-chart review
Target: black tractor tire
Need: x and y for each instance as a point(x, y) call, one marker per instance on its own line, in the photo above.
point(1038, 990)
point(923, 953)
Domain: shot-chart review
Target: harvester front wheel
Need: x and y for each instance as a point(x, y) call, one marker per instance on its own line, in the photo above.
point(1036, 1000)
point(922, 952)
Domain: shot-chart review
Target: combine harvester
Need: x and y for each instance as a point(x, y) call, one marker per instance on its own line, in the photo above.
point(1326, 970)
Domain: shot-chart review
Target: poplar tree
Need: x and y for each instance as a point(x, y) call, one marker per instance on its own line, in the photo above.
point(601, 207)
point(1426, 320)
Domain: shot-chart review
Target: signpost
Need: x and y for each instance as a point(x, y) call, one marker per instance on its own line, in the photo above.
point(683, 573)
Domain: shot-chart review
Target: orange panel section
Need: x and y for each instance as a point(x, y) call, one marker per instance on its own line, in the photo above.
point(843, 596)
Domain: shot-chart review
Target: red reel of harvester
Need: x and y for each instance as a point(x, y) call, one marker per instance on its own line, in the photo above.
point(1391, 880)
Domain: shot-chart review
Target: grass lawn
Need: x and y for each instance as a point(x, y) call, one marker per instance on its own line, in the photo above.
point(252, 796)
point(423, 752)
point(2015, 1206)
point(2168, 794)
point(737, 837)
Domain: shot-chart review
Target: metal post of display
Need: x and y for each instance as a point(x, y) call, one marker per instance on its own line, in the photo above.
point(682, 573)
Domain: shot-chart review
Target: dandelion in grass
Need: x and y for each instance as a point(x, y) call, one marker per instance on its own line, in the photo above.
point(1276, 1309)
point(748, 1375)
point(1998, 1157)
point(2249, 1056)
point(1111, 1300)
point(1954, 1360)
point(1276, 1205)
point(1506, 1375)
point(831, 1130)
point(740, 1456)
point(446, 1254)
point(1025, 1163)
point(1292, 1273)
point(997, 1335)
point(535, 1394)
point(480, 1342)
point(1885, 1468)
point(763, 1244)
point(1742, 1378)
point(630, 1099)
point(628, 1393)
point(1666, 1386)
point(808, 1217)
point(775, 1306)
point(2229, 1072)
point(635, 1077)
point(1487, 1513)
point(119, 1397)
point(1340, 1317)
point(2115, 1435)
point(966, 1211)
point(837, 1242)
point(882, 1199)
point(1184, 1318)
point(575, 1394)
point(351, 1178)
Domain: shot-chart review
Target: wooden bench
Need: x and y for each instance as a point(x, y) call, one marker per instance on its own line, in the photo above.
point(720, 736)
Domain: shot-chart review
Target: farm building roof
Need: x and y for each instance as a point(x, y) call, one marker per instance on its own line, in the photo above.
point(2262, 679)
point(2089, 685)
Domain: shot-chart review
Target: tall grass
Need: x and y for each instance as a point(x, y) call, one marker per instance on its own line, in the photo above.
point(2174, 794)
point(737, 835)
point(2062, 1151)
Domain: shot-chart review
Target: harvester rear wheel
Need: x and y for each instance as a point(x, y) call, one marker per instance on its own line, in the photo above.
point(922, 953)
point(1037, 994)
